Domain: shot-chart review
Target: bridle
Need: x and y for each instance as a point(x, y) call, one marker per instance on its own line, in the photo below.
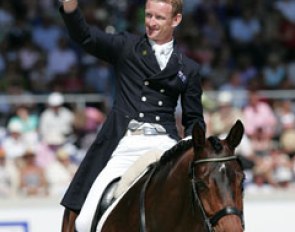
point(228, 210)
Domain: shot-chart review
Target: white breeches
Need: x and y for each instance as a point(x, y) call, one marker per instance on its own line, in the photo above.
point(130, 148)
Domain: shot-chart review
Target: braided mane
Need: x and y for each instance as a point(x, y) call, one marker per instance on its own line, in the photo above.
point(178, 149)
point(174, 152)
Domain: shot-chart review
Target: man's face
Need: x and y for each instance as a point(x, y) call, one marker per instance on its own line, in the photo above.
point(159, 21)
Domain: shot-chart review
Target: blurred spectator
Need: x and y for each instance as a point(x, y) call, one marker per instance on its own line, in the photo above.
point(221, 67)
point(284, 111)
point(89, 119)
point(286, 126)
point(234, 85)
point(258, 115)
point(60, 172)
point(221, 121)
point(287, 141)
point(12, 74)
point(203, 52)
point(190, 5)
point(7, 18)
point(61, 59)
point(45, 153)
point(243, 29)
point(260, 183)
point(213, 31)
point(9, 176)
point(225, 115)
point(29, 123)
point(87, 123)
point(261, 142)
point(2, 60)
point(28, 56)
point(72, 82)
point(47, 33)
point(274, 72)
point(208, 100)
point(18, 34)
point(32, 177)
point(40, 78)
point(287, 37)
point(47, 6)
point(247, 70)
point(99, 77)
point(56, 121)
point(282, 169)
point(286, 8)
point(290, 69)
point(14, 144)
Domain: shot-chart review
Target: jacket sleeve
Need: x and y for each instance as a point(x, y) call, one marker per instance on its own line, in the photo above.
point(91, 38)
point(192, 109)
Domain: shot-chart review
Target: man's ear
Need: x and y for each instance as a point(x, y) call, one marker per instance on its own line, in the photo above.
point(176, 20)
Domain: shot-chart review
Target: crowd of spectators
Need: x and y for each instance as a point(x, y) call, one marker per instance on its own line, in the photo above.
point(242, 47)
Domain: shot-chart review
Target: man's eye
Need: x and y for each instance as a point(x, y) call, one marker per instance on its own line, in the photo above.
point(148, 15)
point(160, 18)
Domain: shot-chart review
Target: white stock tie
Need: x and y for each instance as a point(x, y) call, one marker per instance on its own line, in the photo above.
point(161, 58)
point(163, 53)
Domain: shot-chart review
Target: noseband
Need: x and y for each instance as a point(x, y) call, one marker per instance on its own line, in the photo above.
point(212, 221)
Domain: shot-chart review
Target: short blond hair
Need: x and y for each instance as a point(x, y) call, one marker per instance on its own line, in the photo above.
point(177, 5)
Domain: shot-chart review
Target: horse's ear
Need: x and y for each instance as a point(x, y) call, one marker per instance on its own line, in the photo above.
point(199, 136)
point(235, 135)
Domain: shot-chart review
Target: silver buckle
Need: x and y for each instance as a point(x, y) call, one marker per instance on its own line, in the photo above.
point(150, 131)
point(147, 131)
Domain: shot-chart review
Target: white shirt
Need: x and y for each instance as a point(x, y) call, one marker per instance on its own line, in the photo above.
point(55, 126)
point(162, 52)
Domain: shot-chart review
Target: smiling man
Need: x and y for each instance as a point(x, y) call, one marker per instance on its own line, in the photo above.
point(160, 20)
point(151, 75)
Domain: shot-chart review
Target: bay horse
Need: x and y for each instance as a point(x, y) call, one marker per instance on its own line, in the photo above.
point(196, 186)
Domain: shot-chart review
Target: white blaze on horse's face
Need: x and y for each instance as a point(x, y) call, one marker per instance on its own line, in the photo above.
point(222, 167)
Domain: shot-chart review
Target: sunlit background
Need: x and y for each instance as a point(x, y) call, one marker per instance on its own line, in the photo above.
point(246, 50)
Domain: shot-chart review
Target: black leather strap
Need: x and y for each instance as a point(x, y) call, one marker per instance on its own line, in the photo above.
point(226, 211)
point(142, 200)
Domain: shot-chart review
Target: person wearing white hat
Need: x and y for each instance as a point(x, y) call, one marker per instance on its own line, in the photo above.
point(14, 143)
point(56, 121)
point(55, 99)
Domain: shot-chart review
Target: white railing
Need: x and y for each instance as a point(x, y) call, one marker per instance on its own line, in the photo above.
point(78, 99)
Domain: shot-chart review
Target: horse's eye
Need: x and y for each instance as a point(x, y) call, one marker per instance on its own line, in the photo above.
point(201, 186)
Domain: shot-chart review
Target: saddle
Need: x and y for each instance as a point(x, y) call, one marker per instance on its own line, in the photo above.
point(119, 186)
point(105, 202)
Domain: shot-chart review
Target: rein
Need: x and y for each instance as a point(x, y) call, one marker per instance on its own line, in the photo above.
point(212, 221)
point(142, 199)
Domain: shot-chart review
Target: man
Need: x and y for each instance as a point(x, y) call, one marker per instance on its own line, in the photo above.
point(151, 75)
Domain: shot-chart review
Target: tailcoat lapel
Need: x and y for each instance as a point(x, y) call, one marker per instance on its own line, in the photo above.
point(147, 57)
point(174, 65)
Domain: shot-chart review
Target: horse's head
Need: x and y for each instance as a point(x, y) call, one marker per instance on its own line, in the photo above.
point(217, 179)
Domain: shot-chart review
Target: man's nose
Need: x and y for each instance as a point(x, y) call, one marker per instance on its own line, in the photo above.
point(152, 21)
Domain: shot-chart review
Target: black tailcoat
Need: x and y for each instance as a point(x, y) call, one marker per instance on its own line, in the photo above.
point(144, 93)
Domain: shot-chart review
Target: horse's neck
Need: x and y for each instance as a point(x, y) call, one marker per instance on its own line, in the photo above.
point(171, 191)
point(174, 178)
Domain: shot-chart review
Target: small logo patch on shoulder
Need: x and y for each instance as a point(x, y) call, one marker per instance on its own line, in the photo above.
point(182, 76)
